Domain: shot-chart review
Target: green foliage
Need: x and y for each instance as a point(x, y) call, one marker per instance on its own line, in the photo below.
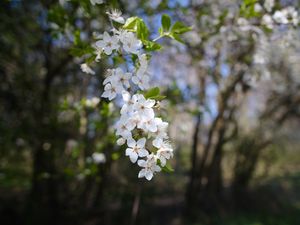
point(142, 31)
point(247, 9)
point(167, 168)
point(154, 93)
point(166, 22)
point(173, 32)
point(58, 15)
point(137, 25)
point(131, 24)
point(152, 46)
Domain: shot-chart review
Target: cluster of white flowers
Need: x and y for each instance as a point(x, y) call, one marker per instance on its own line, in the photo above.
point(138, 127)
point(269, 4)
point(288, 15)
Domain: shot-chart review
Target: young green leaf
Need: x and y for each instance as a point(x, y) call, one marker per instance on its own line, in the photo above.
point(151, 46)
point(180, 28)
point(142, 31)
point(167, 168)
point(176, 37)
point(131, 23)
point(166, 22)
point(152, 92)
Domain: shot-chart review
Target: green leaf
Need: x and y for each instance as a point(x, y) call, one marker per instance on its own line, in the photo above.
point(166, 22)
point(142, 31)
point(90, 59)
point(158, 97)
point(247, 9)
point(180, 28)
point(167, 168)
point(152, 46)
point(82, 50)
point(131, 23)
point(152, 92)
point(176, 37)
point(161, 31)
point(77, 40)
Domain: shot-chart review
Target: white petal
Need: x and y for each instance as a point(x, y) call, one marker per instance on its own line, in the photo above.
point(121, 141)
point(141, 142)
point(162, 161)
point(142, 173)
point(105, 94)
point(126, 96)
point(135, 79)
point(157, 142)
point(112, 95)
point(108, 50)
point(142, 163)
point(133, 157)
point(150, 103)
point(131, 143)
point(143, 152)
point(157, 168)
point(152, 127)
point(148, 175)
point(128, 151)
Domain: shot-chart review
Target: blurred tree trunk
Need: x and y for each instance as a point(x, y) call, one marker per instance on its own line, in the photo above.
point(190, 198)
point(44, 200)
point(247, 157)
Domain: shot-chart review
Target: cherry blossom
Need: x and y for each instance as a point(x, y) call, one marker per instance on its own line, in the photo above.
point(116, 15)
point(136, 149)
point(137, 125)
point(86, 69)
point(149, 167)
point(130, 43)
point(111, 90)
point(108, 43)
point(164, 153)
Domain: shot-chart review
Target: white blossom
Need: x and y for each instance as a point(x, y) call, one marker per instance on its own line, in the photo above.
point(141, 81)
point(98, 157)
point(257, 7)
point(161, 132)
point(280, 17)
point(136, 149)
point(130, 43)
point(286, 16)
point(267, 21)
point(269, 4)
point(122, 128)
point(122, 77)
point(129, 102)
point(116, 15)
point(98, 52)
point(111, 90)
point(137, 115)
point(118, 77)
point(86, 69)
point(164, 153)
point(108, 43)
point(144, 107)
point(147, 124)
point(149, 167)
point(121, 141)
